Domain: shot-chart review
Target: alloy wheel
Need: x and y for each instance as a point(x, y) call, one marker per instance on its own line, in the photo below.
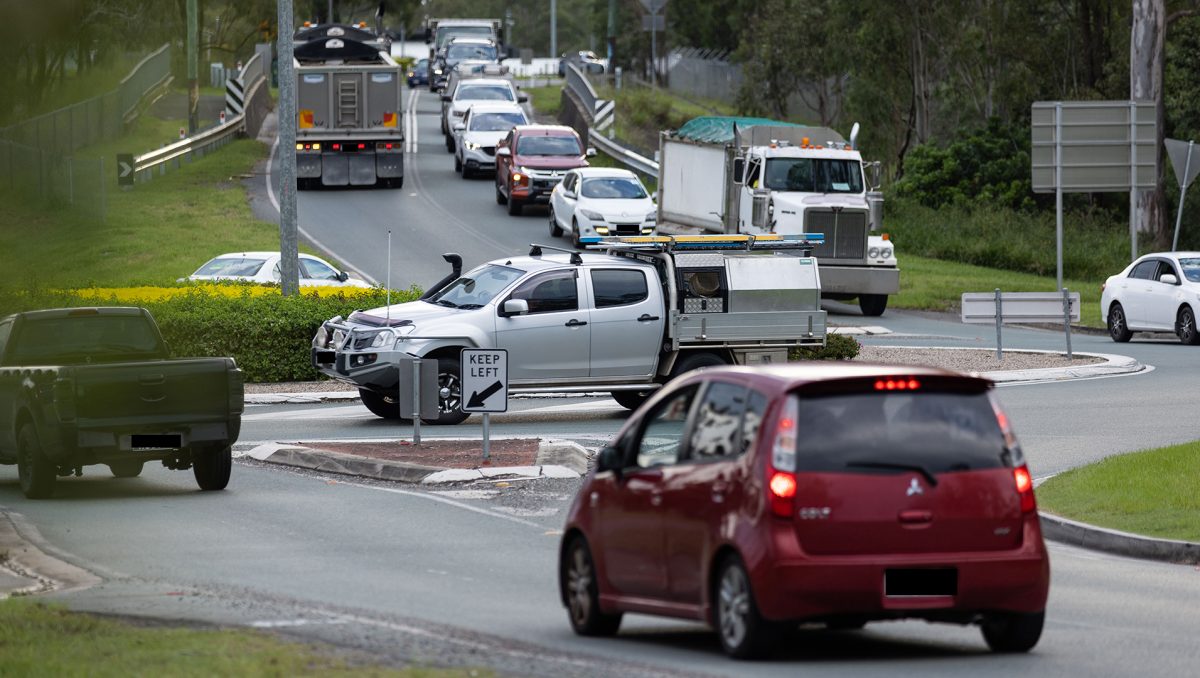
point(579, 587)
point(733, 606)
point(449, 392)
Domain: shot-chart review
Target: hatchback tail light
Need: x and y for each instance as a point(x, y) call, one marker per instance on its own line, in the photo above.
point(1024, 483)
point(781, 474)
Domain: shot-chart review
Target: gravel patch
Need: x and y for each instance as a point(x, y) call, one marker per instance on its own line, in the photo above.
point(326, 386)
point(970, 360)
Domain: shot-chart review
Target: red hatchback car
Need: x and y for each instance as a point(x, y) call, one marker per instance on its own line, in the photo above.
point(755, 498)
point(532, 160)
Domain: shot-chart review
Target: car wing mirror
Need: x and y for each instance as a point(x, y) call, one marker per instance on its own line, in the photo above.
point(503, 152)
point(515, 307)
point(445, 97)
point(522, 98)
point(610, 459)
point(343, 276)
point(1169, 279)
point(591, 153)
point(458, 127)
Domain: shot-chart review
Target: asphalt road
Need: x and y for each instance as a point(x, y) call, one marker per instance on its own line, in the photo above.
point(466, 576)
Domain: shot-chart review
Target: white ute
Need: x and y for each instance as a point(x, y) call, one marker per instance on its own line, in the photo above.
point(626, 317)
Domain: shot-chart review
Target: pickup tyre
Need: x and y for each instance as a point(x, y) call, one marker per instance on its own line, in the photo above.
point(36, 472)
point(212, 467)
point(129, 468)
point(872, 305)
point(381, 405)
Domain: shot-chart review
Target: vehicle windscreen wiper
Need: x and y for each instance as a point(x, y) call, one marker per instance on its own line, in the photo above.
point(470, 306)
point(929, 477)
point(446, 302)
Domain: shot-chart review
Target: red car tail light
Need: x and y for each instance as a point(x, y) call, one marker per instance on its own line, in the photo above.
point(1024, 483)
point(781, 473)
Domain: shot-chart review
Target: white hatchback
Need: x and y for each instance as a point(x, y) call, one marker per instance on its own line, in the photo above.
point(601, 201)
point(476, 137)
point(1157, 293)
point(264, 267)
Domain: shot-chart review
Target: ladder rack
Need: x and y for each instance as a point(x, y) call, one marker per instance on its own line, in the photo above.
point(692, 243)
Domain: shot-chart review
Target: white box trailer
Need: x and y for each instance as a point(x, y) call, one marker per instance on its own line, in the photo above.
point(349, 111)
point(757, 176)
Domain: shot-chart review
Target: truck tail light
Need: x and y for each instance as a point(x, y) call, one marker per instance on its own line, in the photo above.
point(781, 472)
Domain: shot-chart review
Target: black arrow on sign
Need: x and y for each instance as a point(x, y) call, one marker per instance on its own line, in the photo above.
point(478, 399)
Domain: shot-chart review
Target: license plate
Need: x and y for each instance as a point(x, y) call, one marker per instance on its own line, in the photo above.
point(922, 582)
point(156, 441)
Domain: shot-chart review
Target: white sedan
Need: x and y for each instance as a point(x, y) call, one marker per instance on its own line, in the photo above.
point(475, 138)
point(264, 267)
point(1157, 293)
point(601, 201)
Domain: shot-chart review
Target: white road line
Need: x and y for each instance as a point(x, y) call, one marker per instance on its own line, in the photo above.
point(410, 119)
point(449, 502)
point(308, 236)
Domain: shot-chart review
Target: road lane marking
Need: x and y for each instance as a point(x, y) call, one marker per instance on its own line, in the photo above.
point(410, 119)
point(450, 502)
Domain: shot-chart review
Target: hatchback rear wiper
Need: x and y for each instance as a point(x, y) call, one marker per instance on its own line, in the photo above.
point(929, 477)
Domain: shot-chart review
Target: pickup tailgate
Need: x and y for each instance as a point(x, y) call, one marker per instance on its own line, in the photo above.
point(190, 390)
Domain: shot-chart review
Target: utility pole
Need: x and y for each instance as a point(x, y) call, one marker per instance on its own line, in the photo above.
point(553, 28)
point(289, 245)
point(193, 68)
point(612, 34)
point(329, 15)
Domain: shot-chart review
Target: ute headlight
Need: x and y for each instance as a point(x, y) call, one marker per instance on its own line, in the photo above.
point(437, 71)
point(594, 216)
point(338, 337)
point(873, 253)
point(382, 339)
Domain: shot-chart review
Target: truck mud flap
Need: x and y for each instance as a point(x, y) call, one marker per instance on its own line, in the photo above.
point(362, 169)
point(389, 165)
point(335, 169)
point(308, 166)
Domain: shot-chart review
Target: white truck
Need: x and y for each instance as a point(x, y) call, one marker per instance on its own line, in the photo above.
point(754, 176)
point(439, 32)
point(625, 318)
point(348, 109)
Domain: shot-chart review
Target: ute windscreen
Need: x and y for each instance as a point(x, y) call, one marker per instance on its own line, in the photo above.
point(891, 431)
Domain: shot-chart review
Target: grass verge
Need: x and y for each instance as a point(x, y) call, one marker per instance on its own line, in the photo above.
point(546, 101)
point(1155, 493)
point(36, 639)
point(155, 232)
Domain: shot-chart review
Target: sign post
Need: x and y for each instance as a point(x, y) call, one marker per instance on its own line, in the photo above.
point(125, 169)
point(1185, 170)
point(484, 381)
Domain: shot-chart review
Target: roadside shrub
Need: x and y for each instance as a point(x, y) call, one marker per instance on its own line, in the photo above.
point(989, 167)
point(269, 335)
point(837, 347)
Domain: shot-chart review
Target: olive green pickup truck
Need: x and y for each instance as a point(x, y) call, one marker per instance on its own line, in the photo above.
point(85, 386)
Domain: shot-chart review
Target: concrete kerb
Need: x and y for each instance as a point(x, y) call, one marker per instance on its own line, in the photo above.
point(555, 459)
point(1057, 528)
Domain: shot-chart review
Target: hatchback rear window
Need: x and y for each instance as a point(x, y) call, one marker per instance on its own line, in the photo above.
point(894, 431)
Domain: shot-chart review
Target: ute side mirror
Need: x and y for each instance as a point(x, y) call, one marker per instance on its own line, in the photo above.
point(503, 152)
point(1168, 279)
point(514, 307)
point(591, 153)
point(610, 459)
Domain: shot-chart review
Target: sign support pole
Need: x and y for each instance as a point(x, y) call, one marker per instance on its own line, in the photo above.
point(1132, 182)
point(1058, 193)
point(1067, 320)
point(416, 391)
point(999, 324)
point(1187, 171)
point(487, 436)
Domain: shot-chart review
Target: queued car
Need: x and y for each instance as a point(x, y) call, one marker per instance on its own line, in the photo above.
point(264, 267)
point(532, 160)
point(459, 50)
point(584, 60)
point(1156, 293)
point(756, 498)
point(419, 73)
point(601, 201)
point(483, 127)
point(469, 92)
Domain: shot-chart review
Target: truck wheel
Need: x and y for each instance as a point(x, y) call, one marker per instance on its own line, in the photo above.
point(211, 466)
point(555, 230)
point(686, 363)
point(872, 304)
point(450, 394)
point(515, 208)
point(631, 400)
point(36, 472)
point(126, 468)
point(382, 406)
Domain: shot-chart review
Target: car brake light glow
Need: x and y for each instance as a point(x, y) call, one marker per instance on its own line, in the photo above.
point(361, 146)
point(781, 477)
point(783, 485)
point(901, 384)
point(337, 147)
point(1024, 483)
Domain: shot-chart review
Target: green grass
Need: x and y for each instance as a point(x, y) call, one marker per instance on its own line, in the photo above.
point(936, 285)
point(156, 232)
point(1155, 492)
point(546, 101)
point(642, 111)
point(40, 640)
point(72, 89)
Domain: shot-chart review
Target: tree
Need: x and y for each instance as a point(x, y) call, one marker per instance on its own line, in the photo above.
point(1147, 52)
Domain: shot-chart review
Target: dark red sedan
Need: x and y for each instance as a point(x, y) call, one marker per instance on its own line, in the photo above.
point(756, 498)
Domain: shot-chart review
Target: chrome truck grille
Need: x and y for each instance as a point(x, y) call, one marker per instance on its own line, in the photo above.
point(845, 233)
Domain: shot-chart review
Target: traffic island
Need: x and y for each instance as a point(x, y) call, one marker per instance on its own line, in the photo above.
point(433, 461)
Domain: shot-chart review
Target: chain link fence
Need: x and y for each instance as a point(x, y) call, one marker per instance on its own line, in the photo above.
point(36, 156)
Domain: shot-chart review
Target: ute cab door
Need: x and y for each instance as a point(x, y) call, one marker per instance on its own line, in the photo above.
point(627, 321)
point(550, 341)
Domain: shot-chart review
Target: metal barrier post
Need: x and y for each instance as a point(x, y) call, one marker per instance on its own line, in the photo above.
point(416, 393)
point(487, 436)
point(999, 324)
point(1067, 320)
